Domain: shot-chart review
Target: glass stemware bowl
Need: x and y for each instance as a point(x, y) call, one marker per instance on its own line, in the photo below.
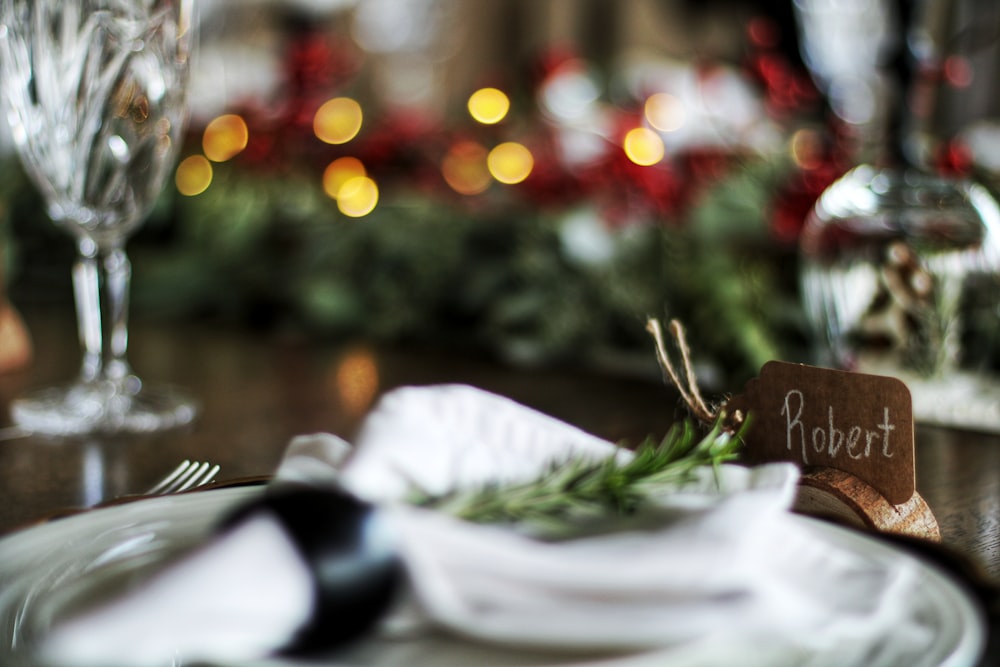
point(95, 93)
point(899, 275)
point(887, 255)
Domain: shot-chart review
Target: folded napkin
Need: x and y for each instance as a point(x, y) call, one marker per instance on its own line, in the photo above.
point(717, 566)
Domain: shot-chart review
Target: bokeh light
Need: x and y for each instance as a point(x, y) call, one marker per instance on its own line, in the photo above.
point(806, 149)
point(193, 175)
point(464, 168)
point(339, 172)
point(664, 112)
point(510, 162)
point(489, 105)
point(338, 120)
point(958, 71)
point(643, 146)
point(357, 197)
point(571, 91)
point(225, 137)
point(356, 381)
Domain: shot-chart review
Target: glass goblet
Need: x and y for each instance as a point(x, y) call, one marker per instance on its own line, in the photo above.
point(95, 93)
point(899, 276)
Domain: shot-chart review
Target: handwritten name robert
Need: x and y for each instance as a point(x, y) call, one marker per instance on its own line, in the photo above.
point(856, 442)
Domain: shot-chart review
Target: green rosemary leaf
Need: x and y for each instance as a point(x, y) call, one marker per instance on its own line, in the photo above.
point(577, 490)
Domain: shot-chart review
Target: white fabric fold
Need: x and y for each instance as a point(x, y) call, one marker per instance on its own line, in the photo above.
point(238, 599)
point(450, 437)
point(720, 562)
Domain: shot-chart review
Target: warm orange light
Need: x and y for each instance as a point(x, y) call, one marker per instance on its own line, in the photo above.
point(338, 120)
point(489, 105)
point(357, 197)
point(643, 146)
point(464, 168)
point(356, 381)
point(193, 175)
point(225, 137)
point(339, 172)
point(510, 162)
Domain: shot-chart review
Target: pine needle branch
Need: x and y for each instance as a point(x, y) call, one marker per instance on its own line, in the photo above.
point(577, 489)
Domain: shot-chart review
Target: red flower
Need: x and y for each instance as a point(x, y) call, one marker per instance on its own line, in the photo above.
point(792, 203)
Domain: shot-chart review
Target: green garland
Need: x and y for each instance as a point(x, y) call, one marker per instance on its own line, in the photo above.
point(266, 249)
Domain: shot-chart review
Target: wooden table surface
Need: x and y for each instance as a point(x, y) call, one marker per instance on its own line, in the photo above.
point(259, 390)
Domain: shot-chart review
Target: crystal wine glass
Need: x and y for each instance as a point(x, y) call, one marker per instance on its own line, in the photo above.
point(95, 93)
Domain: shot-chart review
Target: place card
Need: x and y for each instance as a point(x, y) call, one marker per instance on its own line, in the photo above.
point(852, 436)
point(816, 417)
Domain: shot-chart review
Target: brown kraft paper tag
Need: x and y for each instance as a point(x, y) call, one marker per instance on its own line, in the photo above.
point(860, 424)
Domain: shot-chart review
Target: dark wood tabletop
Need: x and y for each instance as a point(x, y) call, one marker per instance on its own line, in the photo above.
point(257, 391)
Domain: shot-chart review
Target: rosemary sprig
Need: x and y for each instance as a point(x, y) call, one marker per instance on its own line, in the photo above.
point(576, 489)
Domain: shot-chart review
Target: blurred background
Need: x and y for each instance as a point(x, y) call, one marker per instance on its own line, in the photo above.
point(528, 179)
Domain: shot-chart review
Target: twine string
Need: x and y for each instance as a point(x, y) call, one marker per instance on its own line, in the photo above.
point(687, 384)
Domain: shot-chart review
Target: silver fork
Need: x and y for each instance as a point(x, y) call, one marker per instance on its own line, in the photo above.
point(187, 475)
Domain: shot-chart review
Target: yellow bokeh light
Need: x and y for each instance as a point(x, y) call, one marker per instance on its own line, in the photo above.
point(338, 120)
point(357, 197)
point(339, 172)
point(193, 175)
point(464, 168)
point(664, 112)
point(225, 137)
point(489, 105)
point(643, 146)
point(356, 381)
point(510, 162)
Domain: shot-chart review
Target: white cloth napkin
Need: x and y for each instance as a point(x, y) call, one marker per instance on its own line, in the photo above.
point(721, 562)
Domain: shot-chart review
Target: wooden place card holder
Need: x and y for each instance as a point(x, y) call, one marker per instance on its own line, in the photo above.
point(852, 436)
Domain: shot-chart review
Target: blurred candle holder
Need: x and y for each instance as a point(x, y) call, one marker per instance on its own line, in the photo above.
point(892, 260)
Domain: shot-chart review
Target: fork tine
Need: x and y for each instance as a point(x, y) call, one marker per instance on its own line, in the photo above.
point(187, 475)
point(199, 476)
point(210, 475)
point(168, 482)
point(188, 478)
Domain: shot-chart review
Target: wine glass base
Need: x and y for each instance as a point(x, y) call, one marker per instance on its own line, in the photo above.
point(103, 408)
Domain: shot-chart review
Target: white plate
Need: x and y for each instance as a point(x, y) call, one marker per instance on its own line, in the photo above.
point(44, 570)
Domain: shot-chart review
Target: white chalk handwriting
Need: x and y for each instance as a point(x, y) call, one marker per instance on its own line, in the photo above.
point(856, 441)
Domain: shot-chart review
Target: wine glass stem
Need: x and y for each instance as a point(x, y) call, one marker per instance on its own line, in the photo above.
point(101, 278)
